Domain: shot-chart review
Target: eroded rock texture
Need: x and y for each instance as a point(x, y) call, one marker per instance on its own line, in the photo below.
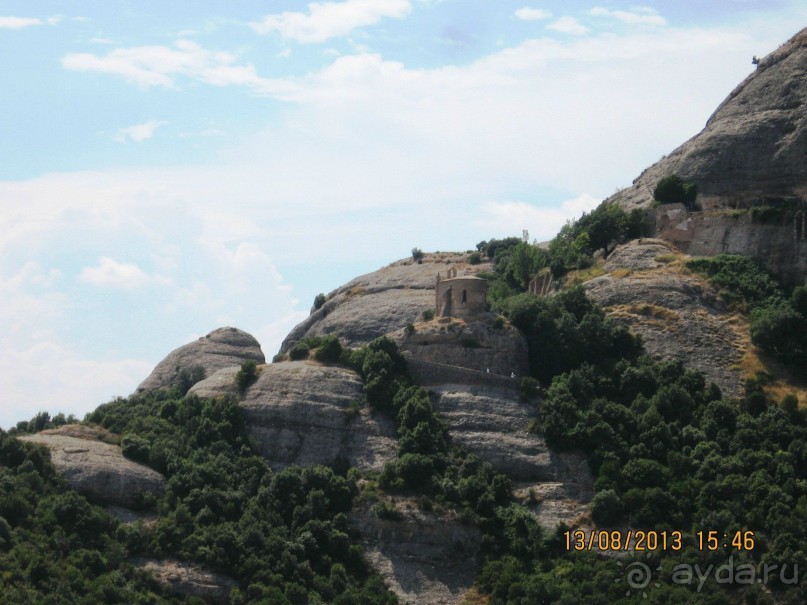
point(302, 412)
point(97, 469)
point(751, 154)
point(220, 349)
point(188, 580)
point(383, 301)
point(678, 315)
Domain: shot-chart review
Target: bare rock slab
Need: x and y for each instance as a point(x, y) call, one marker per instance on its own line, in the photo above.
point(303, 412)
point(188, 580)
point(678, 316)
point(425, 558)
point(221, 348)
point(98, 470)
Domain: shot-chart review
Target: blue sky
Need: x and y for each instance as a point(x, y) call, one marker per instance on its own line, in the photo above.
point(168, 168)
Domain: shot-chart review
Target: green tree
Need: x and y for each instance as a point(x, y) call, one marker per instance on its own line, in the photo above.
point(673, 190)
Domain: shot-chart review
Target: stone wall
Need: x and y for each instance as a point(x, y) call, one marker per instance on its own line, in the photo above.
point(429, 373)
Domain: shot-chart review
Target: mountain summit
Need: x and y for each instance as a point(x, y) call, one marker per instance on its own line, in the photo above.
point(753, 146)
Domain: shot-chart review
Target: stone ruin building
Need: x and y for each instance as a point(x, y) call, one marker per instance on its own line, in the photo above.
point(463, 296)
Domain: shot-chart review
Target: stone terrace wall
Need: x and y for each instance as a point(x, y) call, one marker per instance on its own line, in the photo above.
point(426, 373)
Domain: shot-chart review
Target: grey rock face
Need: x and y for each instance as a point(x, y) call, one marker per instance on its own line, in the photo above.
point(380, 302)
point(424, 558)
point(219, 349)
point(476, 345)
point(754, 143)
point(751, 153)
point(98, 470)
point(678, 316)
point(187, 580)
point(306, 413)
point(494, 424)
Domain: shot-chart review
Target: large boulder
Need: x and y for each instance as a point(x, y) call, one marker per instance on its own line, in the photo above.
point(219, 349)
point(383, 301)
point(97, 469)
point(303, 412)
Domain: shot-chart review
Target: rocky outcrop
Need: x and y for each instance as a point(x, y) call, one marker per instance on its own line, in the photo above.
point(751, 153)
point(220, 349)
point(302, 412)
point(425, 558)
point(678, 315)
point(753, 144)
point(494, 424)
point(382, 301)
point(477, 345)
point(97, 469)
point(186, 580)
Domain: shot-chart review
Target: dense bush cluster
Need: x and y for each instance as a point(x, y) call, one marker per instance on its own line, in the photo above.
point(566, 330)
point(55, 547)
point(778, 321)
point(283, 536)
point(673, 190)
point(517, 262)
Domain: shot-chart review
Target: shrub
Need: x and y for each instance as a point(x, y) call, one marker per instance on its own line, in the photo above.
point(606, 508)
point(417, 254)
point(246, 375)
point(529, 387)
point(188, 377)
point(299, 351)
point(427, 315)
point(673, 190)
point(319, 300)
point(135, 447)
point(386, 510)
point(475, 258)
point(781, 332)
point(330, 349)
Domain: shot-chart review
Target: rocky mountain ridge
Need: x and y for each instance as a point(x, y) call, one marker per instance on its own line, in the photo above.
point(749, 166)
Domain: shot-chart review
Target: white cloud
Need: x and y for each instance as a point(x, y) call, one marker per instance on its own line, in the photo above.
point(18, 22)
point(568, 25)
point(326, 20)
point(111, 274)
point(23, 22)
point(636, 16)
point(532, 14)
point(159, 65)
point(511, 217)
point(53, 378)
point(138, 132)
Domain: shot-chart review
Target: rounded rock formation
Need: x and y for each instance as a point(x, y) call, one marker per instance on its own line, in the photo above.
point(96, 469)
point(220, 349)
